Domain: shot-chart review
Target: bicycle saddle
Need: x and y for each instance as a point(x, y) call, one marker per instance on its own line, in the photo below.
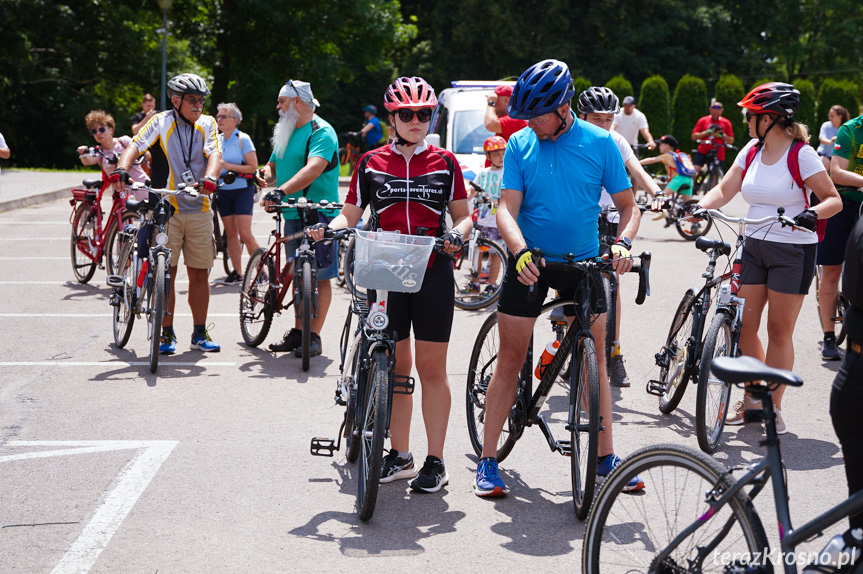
point(706, 244)
point(736, 370)
point(88, 183)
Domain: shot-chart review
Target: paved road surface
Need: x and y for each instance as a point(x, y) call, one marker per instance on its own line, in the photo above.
point(205, 467)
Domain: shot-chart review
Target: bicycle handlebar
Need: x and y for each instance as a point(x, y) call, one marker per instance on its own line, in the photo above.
point(780, 217)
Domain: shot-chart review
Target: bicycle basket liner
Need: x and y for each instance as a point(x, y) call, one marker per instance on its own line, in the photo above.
point(390, 261)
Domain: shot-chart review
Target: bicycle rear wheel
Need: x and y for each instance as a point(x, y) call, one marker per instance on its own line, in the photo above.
point(583, 424)
point(483, 360)
point(626, 532)
point(352, 441)
point(305, 303)
point(156, 310)
point(469, 275)
point(84, 243)
point(691, 230)
point(372, 433)
point(115, 240)
point(257, 299)
point(711, 403)
point(123, 300)
point(610, 286)
point(675, 375)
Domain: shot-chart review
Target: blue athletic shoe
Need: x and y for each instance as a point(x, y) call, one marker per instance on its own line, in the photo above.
point(203, 342)
point(168, 342)
point(608, 464)
point(488, 482)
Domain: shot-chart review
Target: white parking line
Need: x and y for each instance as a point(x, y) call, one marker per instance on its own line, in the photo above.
point(34, 238)
point(28, 315)
point(162, 363)
point(115, 505)
point(34, 258)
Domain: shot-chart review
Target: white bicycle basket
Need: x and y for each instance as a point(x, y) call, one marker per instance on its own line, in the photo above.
point(390, 261)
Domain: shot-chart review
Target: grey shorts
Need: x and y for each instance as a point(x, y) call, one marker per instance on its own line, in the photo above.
point(783, 267)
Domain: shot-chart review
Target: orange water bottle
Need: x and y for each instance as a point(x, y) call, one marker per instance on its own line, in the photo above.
point(545, 360)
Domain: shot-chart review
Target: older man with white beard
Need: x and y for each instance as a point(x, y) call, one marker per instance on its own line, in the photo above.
point(305, 155)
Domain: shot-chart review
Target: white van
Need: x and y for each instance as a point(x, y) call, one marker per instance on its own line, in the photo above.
point(458, 124)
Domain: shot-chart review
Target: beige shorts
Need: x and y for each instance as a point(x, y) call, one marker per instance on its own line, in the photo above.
point(192, 233)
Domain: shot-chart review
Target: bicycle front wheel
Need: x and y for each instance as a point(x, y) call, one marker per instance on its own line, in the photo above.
point(483, 360)
point(256, 300)
point(691, 230)
point(711, 403)
point(372, 433)
point(610, 286)
point(305, 296)
point(627, 532)
point(84, 243)
point(584, 424)
point(479, 274)
point(156, 310)
point(674, 371)
point(123, 300)
point(115, 241)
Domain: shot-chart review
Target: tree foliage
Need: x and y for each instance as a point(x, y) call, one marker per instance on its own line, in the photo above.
point(620, 86)
point(689, 104)
point(655, 101)
point(807, 114)
point(580, 84)
point(833, 92)
point(729, 91)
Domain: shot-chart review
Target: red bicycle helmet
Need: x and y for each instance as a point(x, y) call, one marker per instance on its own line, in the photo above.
point(409, 93)
point(494, 143)
point(772, 98)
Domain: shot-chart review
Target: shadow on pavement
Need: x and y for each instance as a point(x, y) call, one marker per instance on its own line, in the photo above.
point(267, 365)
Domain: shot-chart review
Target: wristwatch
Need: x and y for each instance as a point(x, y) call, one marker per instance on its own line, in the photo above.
point(625, 241)
point(491, 103)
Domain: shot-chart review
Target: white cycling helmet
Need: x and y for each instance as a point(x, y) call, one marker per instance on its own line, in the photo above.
point(188, 84)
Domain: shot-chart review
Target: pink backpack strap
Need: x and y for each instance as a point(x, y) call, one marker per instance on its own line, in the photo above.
point(794, 166)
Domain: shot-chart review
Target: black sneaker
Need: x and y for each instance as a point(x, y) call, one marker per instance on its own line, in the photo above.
point(432, 476)
point(829, 350)
point(292, 340)
point(617, 372)
point(315, 347)
point(394, 467)
point(233, 279)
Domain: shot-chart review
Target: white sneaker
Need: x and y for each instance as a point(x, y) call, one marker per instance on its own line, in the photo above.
point(735, 415)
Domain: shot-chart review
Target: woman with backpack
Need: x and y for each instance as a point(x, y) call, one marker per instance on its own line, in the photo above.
point(775, 169)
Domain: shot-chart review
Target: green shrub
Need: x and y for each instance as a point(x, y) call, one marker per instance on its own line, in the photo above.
point(729, 91)
point(689, 104)
point(833, 92)
point(580, 84)
point(620, 86)
point(654, 101)
point(807, 114)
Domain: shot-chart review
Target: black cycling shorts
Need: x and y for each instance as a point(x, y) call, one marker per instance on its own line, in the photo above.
point(831, 251)
point(430, 310)
point(514, 294)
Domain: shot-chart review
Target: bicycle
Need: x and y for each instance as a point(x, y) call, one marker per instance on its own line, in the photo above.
point(479, 256)
point(90, 241)
point(266, 281)
point(674, 211)
point(712, 170)
point(387, 261)
point(576, 345)
point(142, 282)
point(838, 316)
point(347, 263)
point(688, 353)
point(702, 520)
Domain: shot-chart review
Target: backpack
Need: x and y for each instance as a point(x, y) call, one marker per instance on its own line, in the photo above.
point(684, 164)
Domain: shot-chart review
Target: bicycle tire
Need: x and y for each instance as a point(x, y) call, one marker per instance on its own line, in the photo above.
point(306, 300)
point(838, 314)
point(156, 310)
point(711, 403)
point(465, 296)
point(483, 359)
point(691, 230)
point(124, 311)
point(352, 445)
point(676, 376)
point(610, 317)
point(226, 256)
point(584, 424)
point(372, 433)
point(343, 249)
point(348, 272)
point(256, 294)
point(716, 175)
point(618, 537)
point(113, 249)
point(84, 229)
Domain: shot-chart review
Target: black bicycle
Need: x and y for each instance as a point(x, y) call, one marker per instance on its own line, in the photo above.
point(576, 344)
point(696, 518)
point(712, 171)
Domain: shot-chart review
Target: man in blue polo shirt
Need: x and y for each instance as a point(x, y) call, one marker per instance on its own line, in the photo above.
point(371, 131)
point(554, 174)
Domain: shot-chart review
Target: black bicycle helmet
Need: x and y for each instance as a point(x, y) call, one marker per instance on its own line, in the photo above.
point(598, 100)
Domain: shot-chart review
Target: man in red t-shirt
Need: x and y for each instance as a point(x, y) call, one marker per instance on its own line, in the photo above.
point(716, 130)
point(496, 120)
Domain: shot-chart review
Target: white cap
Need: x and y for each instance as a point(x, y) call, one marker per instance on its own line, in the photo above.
point(298, 89)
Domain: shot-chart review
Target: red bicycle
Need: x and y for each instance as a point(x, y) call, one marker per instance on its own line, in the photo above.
point(92, 237)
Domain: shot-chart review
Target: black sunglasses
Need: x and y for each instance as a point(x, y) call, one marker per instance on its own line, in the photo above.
point(424, 115)
point(100, 129)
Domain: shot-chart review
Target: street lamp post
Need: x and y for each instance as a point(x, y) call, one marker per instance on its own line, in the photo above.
point(164, 5)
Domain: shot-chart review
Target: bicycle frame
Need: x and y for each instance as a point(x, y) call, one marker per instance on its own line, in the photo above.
point(94, 201)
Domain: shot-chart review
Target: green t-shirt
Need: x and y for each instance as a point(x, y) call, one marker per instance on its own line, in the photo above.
point(324, 144)
point(849, 145)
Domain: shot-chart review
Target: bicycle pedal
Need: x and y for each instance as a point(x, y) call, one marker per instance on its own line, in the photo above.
point(340, 401)
point(323, 446)
point(655, 388)
point(564, 447)
point(115, 281)
point(403, 385)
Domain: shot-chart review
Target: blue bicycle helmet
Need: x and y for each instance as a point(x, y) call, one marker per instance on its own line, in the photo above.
point(541, 89)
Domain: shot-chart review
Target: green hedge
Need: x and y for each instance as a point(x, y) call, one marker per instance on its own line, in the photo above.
point(580, 84)
point(654, 101)
point(807, 113)
point(689, 104)
point(833, 92)
point(729, 91)
point(620, 86)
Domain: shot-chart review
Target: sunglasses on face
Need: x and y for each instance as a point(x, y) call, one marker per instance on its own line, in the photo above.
point(749, 116)
point(715, 107)
point(223, 117)
point(199, 100)
point(100, 129)
point(424, 115)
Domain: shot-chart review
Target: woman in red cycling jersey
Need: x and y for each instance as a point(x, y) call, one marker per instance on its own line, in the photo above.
point(409, 186)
